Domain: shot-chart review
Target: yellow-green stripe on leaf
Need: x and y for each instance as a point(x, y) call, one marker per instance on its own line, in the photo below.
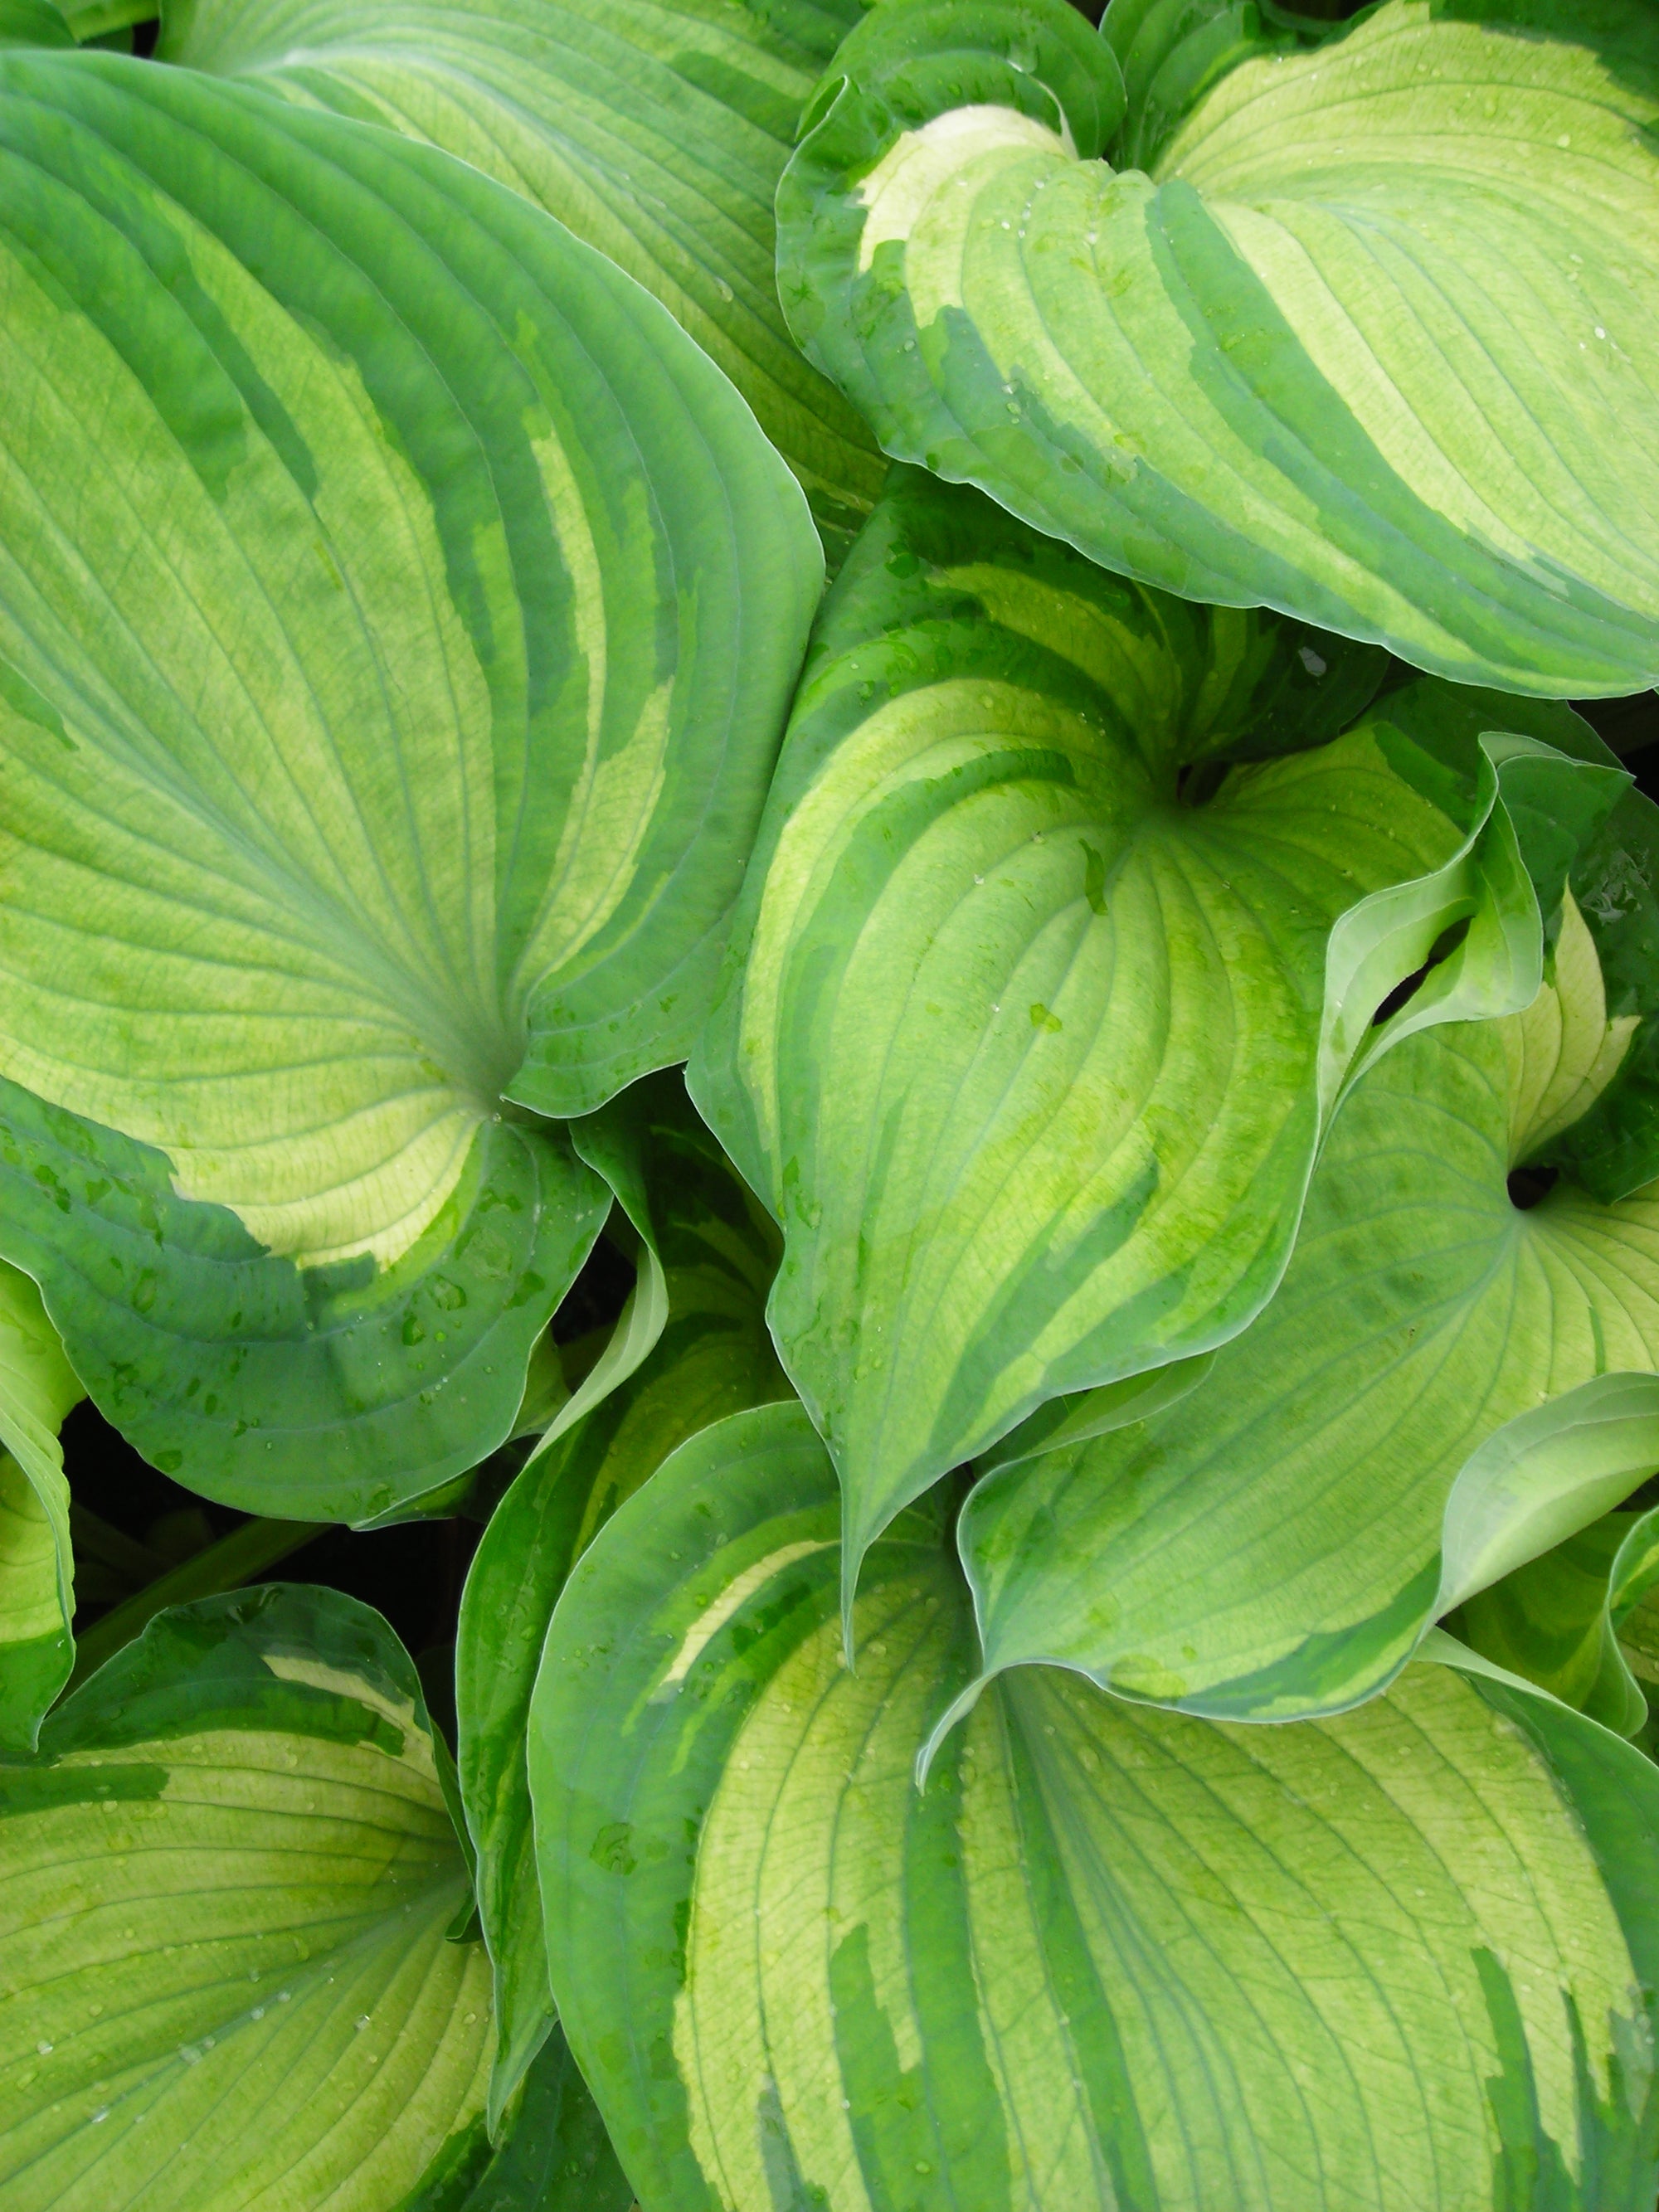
point(397, 613)
point(1460, 1370)
point(1045, 978)
point(715, 1250)
point(1370, 337)
point(1107, 1956)
point(657, 132)
point(227, 1886)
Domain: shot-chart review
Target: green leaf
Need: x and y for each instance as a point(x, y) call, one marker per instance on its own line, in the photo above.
point(38, 1388)
point(225, 1891)
point(1035, 1005)
point(1557, 1619)
point(657, 132)
point(556, 2156)
point(33, 23)
point(1370, 341)
point(1613, 1148)
point(1109, 1955)
point(396, 616)
point(717, 1252)
point(1452, 1381)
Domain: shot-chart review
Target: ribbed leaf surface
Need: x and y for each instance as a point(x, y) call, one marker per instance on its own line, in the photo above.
point(397, 614)
point(657, 131)
point(1392, 1962)
point(1275, 1543)
point(224, 1896)
point(1370, 337)
point(1042, 1002)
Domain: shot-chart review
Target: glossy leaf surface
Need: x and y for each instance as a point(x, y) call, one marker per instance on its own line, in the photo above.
point(1110, 1955)
point(397, 612)
point(225, 1890)
point(1447, 1382)
point(1035, 1003)
point(657, 132)
point(717, 1251)
point(1369, 338)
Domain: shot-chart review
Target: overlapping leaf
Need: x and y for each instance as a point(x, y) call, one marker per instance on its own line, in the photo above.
point(1557, 1619)
point(657, 132)
point(37, 1563)
point(716, 1251)
point(1372, 337)
point(397, 612)
point(225, 1893)
point(1447, 1382)
point(1041, 1002)
point(1110, 1956)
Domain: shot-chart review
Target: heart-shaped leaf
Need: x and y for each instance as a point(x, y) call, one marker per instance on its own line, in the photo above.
point(1457, 1372)
point(1108, 1955)
point(657, 132)
point(1041, 1002)
point(1371, 339)
point(716, 1251)
point(396, 615)
point(226, 1888)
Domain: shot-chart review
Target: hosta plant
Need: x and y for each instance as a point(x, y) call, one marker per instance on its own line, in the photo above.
point(949, 1289)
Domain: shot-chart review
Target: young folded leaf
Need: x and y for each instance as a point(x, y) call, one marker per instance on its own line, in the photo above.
point(1371, 339)
point(717, 1251)
point(658, 132)
point(1558, 1619)
point(1035, 1005)
point(1458, 1371)
point(38, 1388)
point(397, 617)
point(1109, 1956)
point(226, 1889)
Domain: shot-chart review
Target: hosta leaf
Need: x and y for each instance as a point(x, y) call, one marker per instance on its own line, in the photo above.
point(1613, 1148)
point(1371, 339)
point(1557, 1619)
point(717, 1251)
point(38, 1388)
point(1109, 1956)
point(1449, 1381)
point(555, 2156)
point(397, 612)
point(658, 132)
point(33, 23)
point(225, 1889)
point(1042, 1001)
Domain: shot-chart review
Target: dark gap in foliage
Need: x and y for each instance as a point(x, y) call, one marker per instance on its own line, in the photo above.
point(1446, 943)
point(1629, 725)
point(1199, 782)
point(131, 1524)
point(597, 1295)
point(1527, 1186)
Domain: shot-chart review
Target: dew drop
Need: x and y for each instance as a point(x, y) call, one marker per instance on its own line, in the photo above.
point(361, 2022)
point(45, 2050)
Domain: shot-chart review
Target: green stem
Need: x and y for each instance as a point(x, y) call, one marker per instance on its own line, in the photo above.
point(239, 1557)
